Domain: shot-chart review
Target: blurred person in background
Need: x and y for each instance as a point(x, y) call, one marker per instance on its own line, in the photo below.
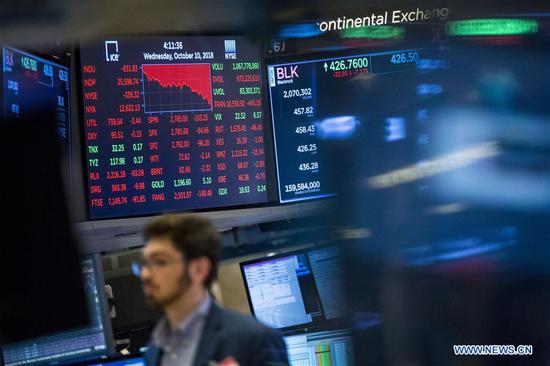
point(180, 263)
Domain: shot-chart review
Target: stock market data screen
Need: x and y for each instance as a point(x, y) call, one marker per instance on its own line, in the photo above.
point(32, 85)
point(172, 123)
point(319, 102)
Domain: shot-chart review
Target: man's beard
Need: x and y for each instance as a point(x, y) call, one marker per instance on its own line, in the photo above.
point(159, 304)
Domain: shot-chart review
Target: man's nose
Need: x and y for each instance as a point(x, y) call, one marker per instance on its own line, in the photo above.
point(145, 273)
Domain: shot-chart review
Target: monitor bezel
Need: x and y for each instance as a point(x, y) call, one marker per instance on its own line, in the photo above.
point(269, 149)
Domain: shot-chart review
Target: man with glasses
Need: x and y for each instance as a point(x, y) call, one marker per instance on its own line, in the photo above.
point(180, 262)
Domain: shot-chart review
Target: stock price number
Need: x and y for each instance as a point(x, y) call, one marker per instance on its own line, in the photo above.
point(349, 64)
point(303, 110)
point(308, 166)
point(307, 148)
point(404, 57)
point(305, 129)
point(298, 187)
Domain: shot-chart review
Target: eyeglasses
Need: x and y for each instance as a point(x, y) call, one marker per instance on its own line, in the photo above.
point(153, 265)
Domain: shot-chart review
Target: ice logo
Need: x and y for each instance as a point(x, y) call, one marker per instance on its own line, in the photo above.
point(111, 51)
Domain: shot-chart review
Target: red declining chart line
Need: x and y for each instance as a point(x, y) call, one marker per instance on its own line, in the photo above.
point(194, 76)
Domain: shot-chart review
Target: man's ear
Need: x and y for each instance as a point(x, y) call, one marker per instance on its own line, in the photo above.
point(199, 269)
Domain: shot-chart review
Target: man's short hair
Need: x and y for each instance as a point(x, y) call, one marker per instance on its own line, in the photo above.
point(194, 236)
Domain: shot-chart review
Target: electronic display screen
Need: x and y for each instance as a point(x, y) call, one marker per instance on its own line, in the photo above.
point(72, 345)
point(172, 123)
point(334, 347)
point(33, 84)
point(298, 289)
point(318, 102)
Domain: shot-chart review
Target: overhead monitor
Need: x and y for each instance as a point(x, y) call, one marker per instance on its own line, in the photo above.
point(296, 290)
point(318, 102)
point(172, 123)
point(74, 345)
point(33, 84)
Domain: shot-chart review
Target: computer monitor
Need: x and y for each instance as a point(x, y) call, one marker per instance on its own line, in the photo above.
point(317, 103)
point(74, 345)
point(34, 84)
point(334, 347)
point(172, 124)
point(296, 290)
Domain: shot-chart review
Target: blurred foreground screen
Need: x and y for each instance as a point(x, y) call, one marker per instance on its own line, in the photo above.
point(40, 278)
point(445, 192)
